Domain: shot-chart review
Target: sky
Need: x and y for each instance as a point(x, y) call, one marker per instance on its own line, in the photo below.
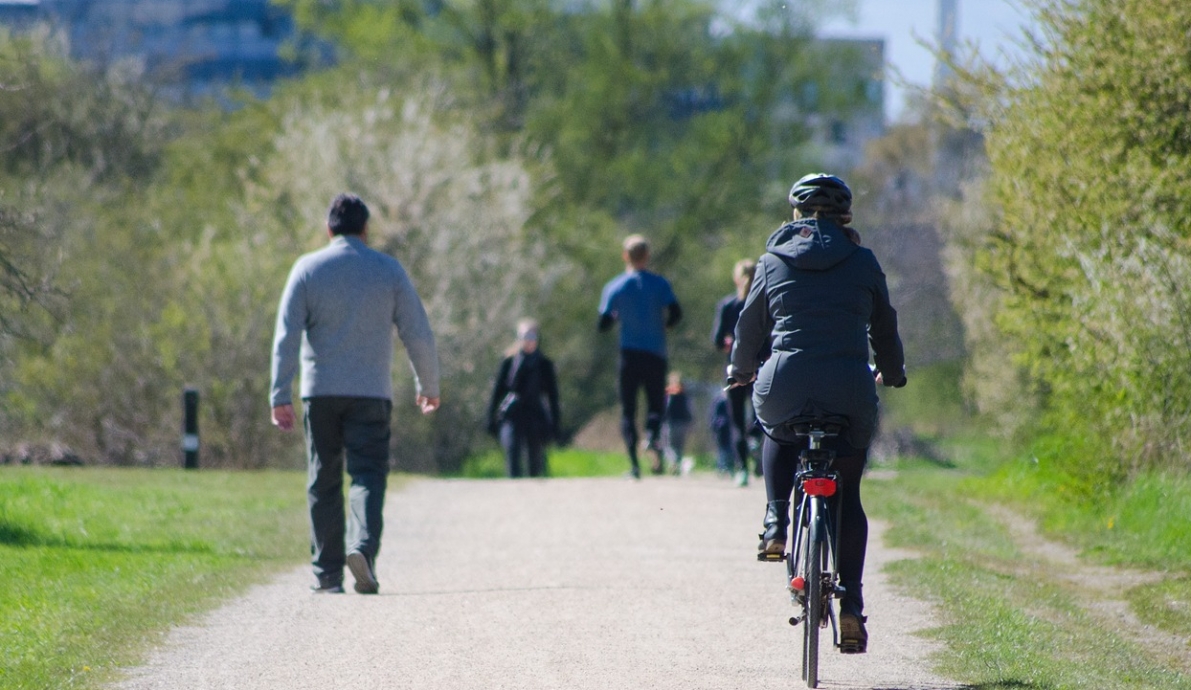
point(992, 24)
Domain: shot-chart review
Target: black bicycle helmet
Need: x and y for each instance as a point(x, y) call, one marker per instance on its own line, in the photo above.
point(821, 190)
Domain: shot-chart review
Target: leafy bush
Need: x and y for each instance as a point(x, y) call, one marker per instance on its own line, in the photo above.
point(1084, 264)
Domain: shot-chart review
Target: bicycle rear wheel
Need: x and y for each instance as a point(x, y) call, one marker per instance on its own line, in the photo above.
point(813, 620)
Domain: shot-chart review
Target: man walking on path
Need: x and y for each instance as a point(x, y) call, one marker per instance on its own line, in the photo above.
point(337, 312)
point(645, 306)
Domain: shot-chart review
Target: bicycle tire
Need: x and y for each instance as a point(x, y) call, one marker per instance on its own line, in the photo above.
point(813, 622)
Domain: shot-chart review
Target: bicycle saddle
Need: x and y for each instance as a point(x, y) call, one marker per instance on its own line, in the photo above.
point(830, 425)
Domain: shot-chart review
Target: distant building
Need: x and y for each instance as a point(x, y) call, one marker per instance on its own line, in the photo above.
point(842, 106)
point(194, 46)
point(18, 13)
point(839, 137)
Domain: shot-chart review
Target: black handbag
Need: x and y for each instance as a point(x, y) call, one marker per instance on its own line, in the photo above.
point(508, 405)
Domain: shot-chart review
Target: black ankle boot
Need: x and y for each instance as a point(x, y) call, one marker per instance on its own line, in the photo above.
point(852, 600)
point(777, 523)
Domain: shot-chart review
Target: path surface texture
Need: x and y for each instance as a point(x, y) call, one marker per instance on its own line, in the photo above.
point(558, 584)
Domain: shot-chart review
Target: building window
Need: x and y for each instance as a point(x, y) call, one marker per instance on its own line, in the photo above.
point(838, 132)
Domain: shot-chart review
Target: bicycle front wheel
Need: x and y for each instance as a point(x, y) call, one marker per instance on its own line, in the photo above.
point(813, 621)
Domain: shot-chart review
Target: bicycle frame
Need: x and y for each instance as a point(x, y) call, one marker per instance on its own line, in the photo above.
point(813, 585)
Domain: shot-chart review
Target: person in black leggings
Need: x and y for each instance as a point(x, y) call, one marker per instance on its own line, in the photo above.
point(644, 305)
point(853, 522)
point(818, 303)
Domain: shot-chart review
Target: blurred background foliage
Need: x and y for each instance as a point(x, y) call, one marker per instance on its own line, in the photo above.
point(505, 148)
point(1033, 219)
point(1068, 255)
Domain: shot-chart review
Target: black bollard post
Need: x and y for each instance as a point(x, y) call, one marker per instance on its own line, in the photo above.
point(190, 435)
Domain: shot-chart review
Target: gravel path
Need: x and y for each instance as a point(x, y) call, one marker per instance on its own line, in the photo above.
point(605, 584)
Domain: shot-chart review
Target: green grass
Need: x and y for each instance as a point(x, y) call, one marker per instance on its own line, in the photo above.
point(1144, 523)
point(932, 404)
point(1010, 625)
point(1165, 604)
point(561, 462)
point(97, 563)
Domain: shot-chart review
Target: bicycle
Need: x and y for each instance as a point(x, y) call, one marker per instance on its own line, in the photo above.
point(812, 577)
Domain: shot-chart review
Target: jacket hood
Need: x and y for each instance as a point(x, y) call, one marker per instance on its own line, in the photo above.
point(811, 244)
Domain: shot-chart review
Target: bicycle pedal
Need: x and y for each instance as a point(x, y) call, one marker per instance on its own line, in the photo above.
point(852, 647)
point(771, 557)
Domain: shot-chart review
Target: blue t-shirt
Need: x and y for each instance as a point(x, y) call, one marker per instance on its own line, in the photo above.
point(638, 300)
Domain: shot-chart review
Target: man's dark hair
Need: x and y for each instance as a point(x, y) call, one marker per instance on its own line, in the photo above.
point(348, 215)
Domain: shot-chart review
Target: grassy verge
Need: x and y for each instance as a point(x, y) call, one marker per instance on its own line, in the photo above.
point(1143, 524)
point(97, 563)
point(1012, 624)
point(562, 462)
point(932, 404)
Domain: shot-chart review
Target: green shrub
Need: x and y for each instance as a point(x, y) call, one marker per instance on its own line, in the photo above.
point(1090, 170)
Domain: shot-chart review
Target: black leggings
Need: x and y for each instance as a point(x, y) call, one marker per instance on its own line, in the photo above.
point(781, 463)
point(736, 398)
point(640, 369)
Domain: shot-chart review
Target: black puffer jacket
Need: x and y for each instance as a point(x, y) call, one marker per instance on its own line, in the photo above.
point(819, 300)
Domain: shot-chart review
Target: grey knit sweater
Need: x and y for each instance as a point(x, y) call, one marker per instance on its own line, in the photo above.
point(337, 312)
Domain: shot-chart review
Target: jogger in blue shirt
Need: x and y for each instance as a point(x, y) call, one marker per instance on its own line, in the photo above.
point(644, 305)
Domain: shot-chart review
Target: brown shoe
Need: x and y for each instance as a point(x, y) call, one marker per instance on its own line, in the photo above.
point(769, 549)
point(853, 638)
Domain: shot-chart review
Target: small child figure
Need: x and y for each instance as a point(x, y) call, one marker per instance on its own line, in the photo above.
point(677, 419)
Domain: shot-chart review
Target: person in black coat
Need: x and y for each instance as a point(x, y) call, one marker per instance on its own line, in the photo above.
point(818, 302)
point(523, 412)
point(723, 333)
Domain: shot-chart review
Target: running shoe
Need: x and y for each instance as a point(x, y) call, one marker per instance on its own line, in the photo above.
point(361, 567)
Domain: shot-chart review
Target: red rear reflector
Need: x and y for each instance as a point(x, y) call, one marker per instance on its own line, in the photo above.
point(798, 584)
point(819, 487)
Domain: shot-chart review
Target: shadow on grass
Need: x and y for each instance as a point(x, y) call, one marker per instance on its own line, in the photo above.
point(20, 536)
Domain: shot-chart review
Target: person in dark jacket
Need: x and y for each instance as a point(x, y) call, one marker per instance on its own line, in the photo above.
point(523, 411)
point(678, 419)
point(723, 332)
point(818, 302)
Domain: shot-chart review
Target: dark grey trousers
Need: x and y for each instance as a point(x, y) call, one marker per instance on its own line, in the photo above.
point(518, 436)
point(355, 430)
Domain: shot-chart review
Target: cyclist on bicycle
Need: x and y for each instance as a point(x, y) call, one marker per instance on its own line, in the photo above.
point(819, 300)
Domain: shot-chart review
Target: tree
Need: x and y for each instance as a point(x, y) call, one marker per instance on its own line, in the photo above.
point(505, 146)
point(452, 210)
point(74, 139)
point(1090, 174)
